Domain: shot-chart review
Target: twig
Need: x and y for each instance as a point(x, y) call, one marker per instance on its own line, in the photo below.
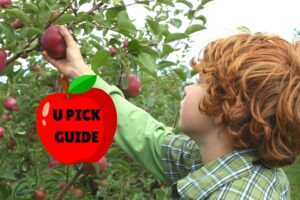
point(68, 186)
point(15, 57)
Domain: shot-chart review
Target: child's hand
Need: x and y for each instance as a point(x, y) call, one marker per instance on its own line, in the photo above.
point(73, 65)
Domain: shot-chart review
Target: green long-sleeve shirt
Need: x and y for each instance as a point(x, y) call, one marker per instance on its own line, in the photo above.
point(175, 159)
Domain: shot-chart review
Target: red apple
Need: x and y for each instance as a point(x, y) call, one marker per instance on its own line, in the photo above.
point(77, 192)
point(113, 52)
point(6, 117)
point(11, 104)
point(134, 85)
point(62, 185)
point(11, 143)
point(2, 132)
point(125, 44)
point(16, 24)
point(53, 163)
point(104, 181)
point(70, 140)
point(39, 194)
point(53, 43)
point(5, 3)
point(103, 164)
point(3, 57)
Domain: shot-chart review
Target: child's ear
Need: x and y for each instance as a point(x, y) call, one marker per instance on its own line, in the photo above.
point(218, 119)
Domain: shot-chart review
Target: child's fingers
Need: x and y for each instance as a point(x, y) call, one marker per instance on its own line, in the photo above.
point(50, 60)
point(67, 36)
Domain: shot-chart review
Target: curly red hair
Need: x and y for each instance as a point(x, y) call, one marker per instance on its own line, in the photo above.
point(254, 82)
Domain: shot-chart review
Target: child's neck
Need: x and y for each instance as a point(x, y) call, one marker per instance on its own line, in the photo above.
point(214, 145)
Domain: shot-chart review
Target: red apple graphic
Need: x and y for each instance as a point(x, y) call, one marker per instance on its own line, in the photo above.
point(16, 24)
point(39, 194)
point(53, 43)
point(3, 57)
point(78, 129)
point(11, 104)
point(134, 85)
point(5, 3)
point(2, 132)
point(113, 52)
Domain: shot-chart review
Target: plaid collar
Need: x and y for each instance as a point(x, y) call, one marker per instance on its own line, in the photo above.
point(201, 183)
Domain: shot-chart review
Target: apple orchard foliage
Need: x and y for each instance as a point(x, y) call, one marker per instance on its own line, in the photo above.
point(113, 46)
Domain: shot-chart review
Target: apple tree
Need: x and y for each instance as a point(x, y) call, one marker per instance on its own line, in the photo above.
point(145, 62)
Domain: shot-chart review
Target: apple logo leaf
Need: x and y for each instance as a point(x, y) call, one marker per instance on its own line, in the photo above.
point(82, 84)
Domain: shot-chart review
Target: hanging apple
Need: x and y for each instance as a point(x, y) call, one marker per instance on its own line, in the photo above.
point(2, 132)
point(16, 24)
point(3, 57)
point(113, 52)
point(5, 3)
point(39, 194)
point(53, 43)
point(134, 86)
point(11, 104)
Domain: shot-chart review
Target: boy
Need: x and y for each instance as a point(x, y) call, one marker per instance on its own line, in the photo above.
point(241, 120)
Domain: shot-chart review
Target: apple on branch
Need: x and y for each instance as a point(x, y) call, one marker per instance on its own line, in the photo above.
point(53, 43)
point(131, 85)
point(11, 104)
point(3, 57)
point(5, 3)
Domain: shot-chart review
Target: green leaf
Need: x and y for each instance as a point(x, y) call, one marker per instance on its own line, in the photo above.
point(187, 3)
point(124, 23)
point(5, 191)
point(175, 36)
point(202, 18)
point(116, 2)
point(7, 175)
point(64, 19)
point(99, 59)
point(167, 2)
point(31, 31)
point(134, 46)
point(147, 61)
point(30, 7)
point(203, 2)
point(176, 22)
point(82, 84)
point(19, 14)
point(154, 26)
point(165, 63)
point(8, 30)
point(194, 28)
point(167, 49)
point(180, 74)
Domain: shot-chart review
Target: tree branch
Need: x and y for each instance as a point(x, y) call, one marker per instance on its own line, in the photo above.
point(68, 186)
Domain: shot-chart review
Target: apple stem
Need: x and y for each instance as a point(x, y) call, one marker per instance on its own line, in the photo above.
point(68, 186)
point(64, 83)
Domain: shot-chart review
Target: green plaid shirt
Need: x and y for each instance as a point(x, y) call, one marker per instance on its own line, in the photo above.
point(232, 176)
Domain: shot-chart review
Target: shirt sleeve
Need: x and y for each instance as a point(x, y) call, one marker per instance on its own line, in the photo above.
point(180, 155)
point(138, 133)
